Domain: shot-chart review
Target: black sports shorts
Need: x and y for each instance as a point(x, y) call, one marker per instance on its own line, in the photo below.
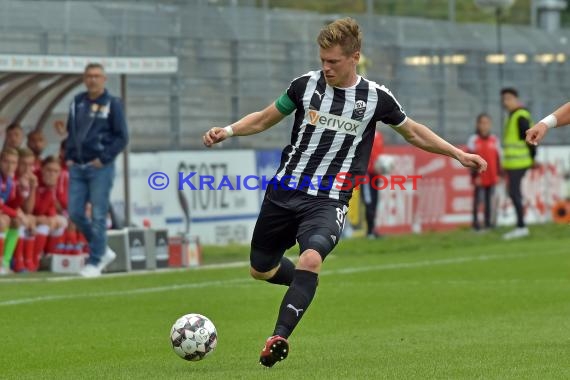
point(289, 215)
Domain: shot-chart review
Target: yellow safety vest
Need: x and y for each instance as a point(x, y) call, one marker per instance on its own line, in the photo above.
point(516, 154)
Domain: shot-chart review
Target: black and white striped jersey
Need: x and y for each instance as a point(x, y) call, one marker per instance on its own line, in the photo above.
point(333, 132)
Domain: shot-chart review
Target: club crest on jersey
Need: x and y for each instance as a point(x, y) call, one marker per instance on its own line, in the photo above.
point(333, 122)
point(359, 109)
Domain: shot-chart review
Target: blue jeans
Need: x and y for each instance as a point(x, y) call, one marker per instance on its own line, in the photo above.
point(93, 185)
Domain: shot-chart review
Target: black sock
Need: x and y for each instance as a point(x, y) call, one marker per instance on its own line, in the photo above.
point(295, 302)
point(285, 273)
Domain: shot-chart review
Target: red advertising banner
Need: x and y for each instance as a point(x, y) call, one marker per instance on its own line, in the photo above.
point(444, 195)
point(442, 199)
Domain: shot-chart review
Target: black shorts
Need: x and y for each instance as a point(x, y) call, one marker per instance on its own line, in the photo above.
point(289, 215)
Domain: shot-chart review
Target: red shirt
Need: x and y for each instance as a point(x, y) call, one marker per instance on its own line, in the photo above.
point(37, 170)
point(489, 149)
point(377, 147)
point(7, 196)
point(45, 202)
point(19, 195)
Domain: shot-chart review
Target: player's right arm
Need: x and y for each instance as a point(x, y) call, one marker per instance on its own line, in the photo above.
point(251, 124)
point(558, 118)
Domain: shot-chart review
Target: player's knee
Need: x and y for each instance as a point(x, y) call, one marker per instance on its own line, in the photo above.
point(263, 265)
point(310, 260)
point(261, 275)
point(320, 242)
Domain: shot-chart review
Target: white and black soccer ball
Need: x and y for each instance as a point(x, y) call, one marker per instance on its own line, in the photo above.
point(193, 337)
point(384, 164)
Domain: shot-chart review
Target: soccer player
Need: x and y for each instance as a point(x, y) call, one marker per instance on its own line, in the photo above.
point(558, 118)
point(336, 112)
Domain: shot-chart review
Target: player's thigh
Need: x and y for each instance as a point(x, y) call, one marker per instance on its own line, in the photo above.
point(275, 232)
point(321, 228)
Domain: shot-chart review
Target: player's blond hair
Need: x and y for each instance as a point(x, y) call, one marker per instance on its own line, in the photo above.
point(344, 32)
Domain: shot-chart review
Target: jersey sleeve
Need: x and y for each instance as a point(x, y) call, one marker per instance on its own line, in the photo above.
point(471, 143)
point(284, 104)
point(292, 98)
point(389, 111)
point(5, 209)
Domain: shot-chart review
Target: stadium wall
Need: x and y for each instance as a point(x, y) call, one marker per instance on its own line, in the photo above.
point(237, 59)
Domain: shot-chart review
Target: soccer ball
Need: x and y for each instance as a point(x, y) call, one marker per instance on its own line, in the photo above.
point(384, 164)
point(193, 337)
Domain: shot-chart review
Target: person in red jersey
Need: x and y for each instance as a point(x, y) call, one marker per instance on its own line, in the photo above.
point(73, 241)
point(8, 234)
point(25, 184)
point(14, 136)
point(486, 145)
point(45, 210)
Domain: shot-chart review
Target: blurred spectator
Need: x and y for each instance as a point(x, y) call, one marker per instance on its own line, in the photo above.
point(74, 242)
point(14, 136)
point(25, 183)
point(51, 226)
point(486, 145)
point(62, 189)
point(26, 180)
point(369, 191)
point(8, 235)
point(97, 133)
point(37, 143)
point(518, 156)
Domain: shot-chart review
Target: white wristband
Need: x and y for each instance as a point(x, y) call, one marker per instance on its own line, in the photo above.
point(550, 121)
point(229, 130)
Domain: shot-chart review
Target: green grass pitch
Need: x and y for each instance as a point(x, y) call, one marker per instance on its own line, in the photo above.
point(435, 306)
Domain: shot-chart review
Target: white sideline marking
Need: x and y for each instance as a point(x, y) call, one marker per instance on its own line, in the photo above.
point(424, 263)
point(138, 272)
point(157, 289)
point(205, 284)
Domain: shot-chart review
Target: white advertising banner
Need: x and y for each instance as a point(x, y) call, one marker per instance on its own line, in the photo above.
point(201, 192)
point(76, 65)
point(542, 187)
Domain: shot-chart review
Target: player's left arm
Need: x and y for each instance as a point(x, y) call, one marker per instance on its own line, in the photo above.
point(424, 138)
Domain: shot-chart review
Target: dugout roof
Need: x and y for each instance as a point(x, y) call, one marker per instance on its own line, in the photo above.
point(31, 86)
